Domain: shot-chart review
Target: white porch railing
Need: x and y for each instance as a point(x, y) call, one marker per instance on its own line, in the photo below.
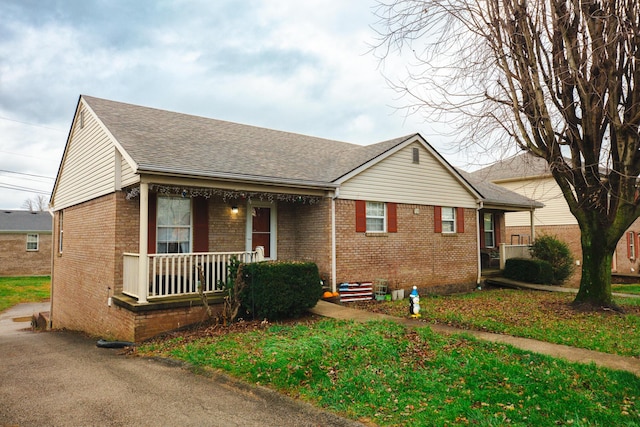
point(177, 274)
point(513, 251)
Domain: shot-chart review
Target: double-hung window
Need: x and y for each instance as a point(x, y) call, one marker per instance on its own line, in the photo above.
point(489, 232)
point(376, 217)
point(174, 225)
point(448, 220)
point(32, 242)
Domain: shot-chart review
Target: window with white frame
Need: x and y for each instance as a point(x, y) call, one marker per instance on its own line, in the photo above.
point(376, 218)
point(173, 225)
point(60, 230)
point(32, 242)
point(489, 232)
point(448, 220)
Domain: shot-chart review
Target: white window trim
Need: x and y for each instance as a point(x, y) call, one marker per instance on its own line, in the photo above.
point(190, 248)
point(454, 220)
point(273, 236)
point(37, 242)
point(384, 218)
point(493, 231)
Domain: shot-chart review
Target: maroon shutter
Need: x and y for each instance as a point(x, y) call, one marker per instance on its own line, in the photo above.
point(200, 207)
point(392, 218)
point(483, 240)
point(437, 219)
point(151, 239)
point(496, 228)
point(361, 216)
point(459, 220)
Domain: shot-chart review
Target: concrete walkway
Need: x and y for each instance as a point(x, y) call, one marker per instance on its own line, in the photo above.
point(572, 354)
point(508, 283)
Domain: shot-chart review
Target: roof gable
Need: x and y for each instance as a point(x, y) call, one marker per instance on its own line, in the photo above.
point(521, 166)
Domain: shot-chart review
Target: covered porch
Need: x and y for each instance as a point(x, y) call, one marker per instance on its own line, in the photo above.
point(189, 233)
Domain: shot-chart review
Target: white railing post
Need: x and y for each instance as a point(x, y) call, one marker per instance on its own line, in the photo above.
point(503, 255)
point(259, 253)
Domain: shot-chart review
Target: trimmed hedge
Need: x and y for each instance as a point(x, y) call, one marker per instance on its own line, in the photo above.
point(556, 253)
point(528, 270)
point(277, 290)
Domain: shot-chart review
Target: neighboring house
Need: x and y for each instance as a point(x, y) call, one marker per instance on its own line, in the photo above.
point(143, 197)
point(25, 243)
point(529, 176)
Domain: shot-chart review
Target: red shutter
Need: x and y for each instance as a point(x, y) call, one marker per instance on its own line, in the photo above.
point(437, 219)
point(151, 239)
point(459, 220)
point(392, 218)
point(200, 207)
point(361, 216)
point(496, 228)
point(483, 243)
point(635, 245)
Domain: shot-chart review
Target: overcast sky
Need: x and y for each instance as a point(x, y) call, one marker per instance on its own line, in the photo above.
point(298, 66)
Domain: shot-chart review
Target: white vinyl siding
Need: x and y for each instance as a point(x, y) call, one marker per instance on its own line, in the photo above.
point(88, 168)
point(128, 176)
point(544, 190)
point(398, 179)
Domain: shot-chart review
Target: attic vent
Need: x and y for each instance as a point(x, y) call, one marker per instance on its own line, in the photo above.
point(416, 155)
point(81, 119)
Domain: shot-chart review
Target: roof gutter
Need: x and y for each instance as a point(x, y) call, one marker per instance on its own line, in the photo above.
point(231, 177)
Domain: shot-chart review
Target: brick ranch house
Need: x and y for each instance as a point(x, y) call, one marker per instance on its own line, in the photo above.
point(143, 196)
point(25, 243)
point(530, 177)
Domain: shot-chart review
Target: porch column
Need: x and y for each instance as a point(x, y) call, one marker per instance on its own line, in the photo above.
point(533, 226)
point(143, 263)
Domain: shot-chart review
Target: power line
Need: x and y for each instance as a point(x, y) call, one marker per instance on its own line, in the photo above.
point(31, 124)
point(25, 189)
point(26, 174)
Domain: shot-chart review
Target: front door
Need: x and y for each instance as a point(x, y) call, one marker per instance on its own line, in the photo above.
point(261, 228)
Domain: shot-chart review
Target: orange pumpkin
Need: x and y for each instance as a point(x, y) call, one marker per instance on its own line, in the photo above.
point(327, 294)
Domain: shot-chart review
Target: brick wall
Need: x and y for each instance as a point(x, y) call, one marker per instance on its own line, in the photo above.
point(304, 234)
point(83, 274)
point(415, 255)
point(15, 260)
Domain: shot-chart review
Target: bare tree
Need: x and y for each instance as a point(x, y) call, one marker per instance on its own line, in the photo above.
point(36, 204)
point(557, 78)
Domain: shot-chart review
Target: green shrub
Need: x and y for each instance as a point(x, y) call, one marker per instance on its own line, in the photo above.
point(528, 270)
point(276, 290)
point(556, 253)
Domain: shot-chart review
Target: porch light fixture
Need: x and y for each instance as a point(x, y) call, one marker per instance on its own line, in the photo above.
point(234, 209)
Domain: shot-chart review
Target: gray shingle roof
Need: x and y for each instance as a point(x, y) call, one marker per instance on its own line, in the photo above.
point(24, 221)
point(165, 141)
point(496, 195)
point(520, 166)
point(169, 142)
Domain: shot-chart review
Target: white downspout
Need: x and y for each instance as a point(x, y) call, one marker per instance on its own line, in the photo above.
point(143, 242)
point(479, 260)
point(334, 268)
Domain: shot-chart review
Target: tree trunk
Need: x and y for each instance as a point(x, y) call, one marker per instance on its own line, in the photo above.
point(595, 283)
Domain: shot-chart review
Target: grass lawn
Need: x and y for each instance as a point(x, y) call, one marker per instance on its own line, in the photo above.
point(627, 289)
point(385, 374)
point(543, 316)
point(14, 290)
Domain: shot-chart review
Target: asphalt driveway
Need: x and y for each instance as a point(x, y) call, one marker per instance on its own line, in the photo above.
point(63, 379)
